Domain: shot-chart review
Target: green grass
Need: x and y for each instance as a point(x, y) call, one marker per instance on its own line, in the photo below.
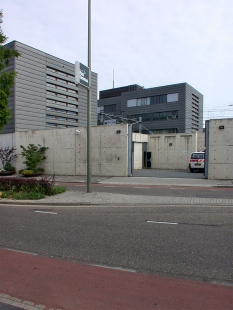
point(22, 195)
point(58, 190)
point(31, 195)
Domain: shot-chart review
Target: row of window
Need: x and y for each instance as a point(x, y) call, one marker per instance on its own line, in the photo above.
point(111, 108)
point(161, 131)
point(52, 70)
point(59, 125)
point(53, 78)
point(60, 118)
point(152, 100)
point(61, 96)
point(64, 104)
point(62, 88)
point(146, 117)
point(61, 111)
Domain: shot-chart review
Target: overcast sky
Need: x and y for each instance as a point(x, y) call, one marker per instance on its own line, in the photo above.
point(150, 42)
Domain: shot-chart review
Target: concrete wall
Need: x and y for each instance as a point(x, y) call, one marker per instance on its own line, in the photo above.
point(172, 151)
point(220, 149)
point(138, 156)
point(67, 151)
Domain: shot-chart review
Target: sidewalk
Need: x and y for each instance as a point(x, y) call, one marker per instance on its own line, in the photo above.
point(38, 283)
point(75, 198)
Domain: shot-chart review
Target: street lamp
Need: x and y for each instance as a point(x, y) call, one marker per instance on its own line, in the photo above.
point(83, 78)
point(89, 166)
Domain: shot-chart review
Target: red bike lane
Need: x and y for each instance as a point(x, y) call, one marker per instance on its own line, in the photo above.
point(68, 285)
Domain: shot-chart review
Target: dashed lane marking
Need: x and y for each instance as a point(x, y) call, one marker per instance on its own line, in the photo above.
point(191, 224)
point(46, 212)
point(168, 223)
point(141, 187)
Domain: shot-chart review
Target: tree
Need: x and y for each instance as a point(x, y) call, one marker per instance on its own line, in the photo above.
point(34, 155)
point(6, 78)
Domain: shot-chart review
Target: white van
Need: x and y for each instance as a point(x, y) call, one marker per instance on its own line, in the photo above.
point(197, 161)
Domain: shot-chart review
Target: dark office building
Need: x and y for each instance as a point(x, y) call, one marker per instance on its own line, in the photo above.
point(176, 108)
point(44, 95)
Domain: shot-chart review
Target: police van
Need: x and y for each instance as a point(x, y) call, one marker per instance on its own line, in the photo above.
point(197, 161)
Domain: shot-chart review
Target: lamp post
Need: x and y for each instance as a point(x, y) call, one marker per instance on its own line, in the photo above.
point(89, 166)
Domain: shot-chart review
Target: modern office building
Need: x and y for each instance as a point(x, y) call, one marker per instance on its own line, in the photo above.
point(44, 94)
point(176, 108)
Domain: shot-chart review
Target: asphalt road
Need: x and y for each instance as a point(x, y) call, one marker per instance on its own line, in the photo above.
point(149, 190)
point(176, 241)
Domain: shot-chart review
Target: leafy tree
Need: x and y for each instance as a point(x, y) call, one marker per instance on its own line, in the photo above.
point(34, 155)
point(6, 78)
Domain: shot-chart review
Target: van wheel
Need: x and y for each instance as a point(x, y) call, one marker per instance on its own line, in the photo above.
point(191, 170)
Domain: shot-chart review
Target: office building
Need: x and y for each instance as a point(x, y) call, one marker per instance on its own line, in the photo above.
point(176, 108)
point(44, 94)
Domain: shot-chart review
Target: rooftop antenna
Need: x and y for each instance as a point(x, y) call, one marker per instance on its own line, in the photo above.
point(113, 80)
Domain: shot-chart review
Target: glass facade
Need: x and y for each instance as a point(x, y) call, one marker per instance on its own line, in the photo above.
point(152, 100)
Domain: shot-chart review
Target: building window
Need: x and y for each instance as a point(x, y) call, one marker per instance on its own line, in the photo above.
point(163, 131)
point(61, 88)
point(50, 125)
point(50, 109)
point(110, 108)
point(72, 98)
point(71, 112)
point(71, 120)
point(61, 118)
point(61, 103)
point(152, 100)
point(172, 97)
point(50, 116)
point(51, 85)
point(71, 105)
point(61, 111)
point(131, 103)
point(61, 126)
point(147, 117)
point(61, 96)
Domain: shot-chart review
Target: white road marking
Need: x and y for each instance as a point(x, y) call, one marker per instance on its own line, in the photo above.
point(113, 267)
point(46, 212)
point(141, 187)
point(109, 186)
point(168, 223)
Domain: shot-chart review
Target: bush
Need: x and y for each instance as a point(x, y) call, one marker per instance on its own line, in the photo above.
point(29, 188)
point(26, 172)
point(23, 195)
point(43, 185)
point(58, 190)
point(9, 167)
point(33, 155)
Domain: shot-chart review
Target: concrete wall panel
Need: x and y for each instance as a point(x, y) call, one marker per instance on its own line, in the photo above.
point(137, 155)
point(67, 153)
point(220, 149)
point(172, 151)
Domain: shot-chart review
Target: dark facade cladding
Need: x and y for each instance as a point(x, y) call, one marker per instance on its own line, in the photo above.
point(44, 95)
point(176, 108)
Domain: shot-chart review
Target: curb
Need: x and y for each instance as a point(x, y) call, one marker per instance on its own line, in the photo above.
point(73, 204)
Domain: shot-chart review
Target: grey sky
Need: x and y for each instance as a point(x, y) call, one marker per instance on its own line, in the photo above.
point(150, 42)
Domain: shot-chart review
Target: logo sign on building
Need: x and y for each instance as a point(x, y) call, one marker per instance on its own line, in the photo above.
point(82, 74)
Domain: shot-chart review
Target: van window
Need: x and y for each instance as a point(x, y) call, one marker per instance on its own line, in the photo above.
point(197, 156)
